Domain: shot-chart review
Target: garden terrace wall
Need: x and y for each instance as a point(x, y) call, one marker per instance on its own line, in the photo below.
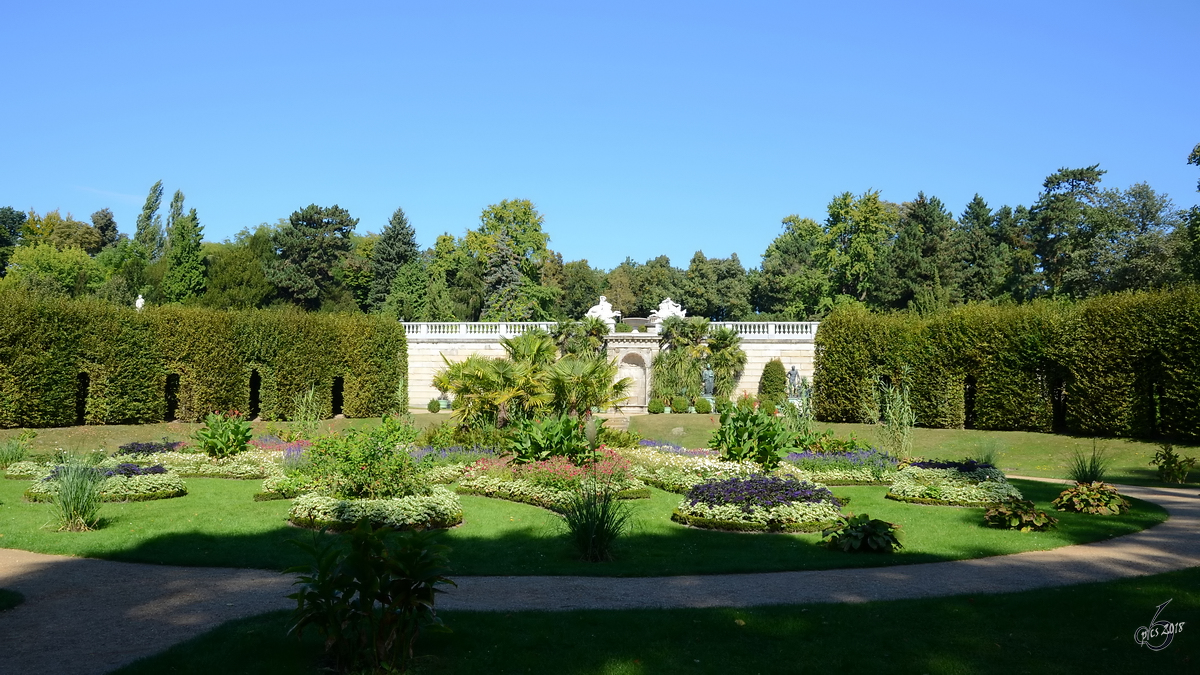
point(64, 361)
point(1123, 365)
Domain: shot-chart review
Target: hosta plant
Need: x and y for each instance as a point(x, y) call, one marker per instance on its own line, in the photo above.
point(1095, 498)
point(1019, 514)
point(560, 436)
point(863, 534)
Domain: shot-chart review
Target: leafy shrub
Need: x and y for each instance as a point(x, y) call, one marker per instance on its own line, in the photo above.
point(679, 404)
point(1171, 467)
point(370, 602)
point(1019, 514)
point(617, 438)
point(623, 328)
point(1095, 498)
point(703, 407)
point(149, 447)
point(655, 407)
point(749, 434)
point(372, 464)
point(557, 436)
point(1088, 468)
point(595, 519)
point(77, 501)
point(863, 534)
point(440, 435)
point(772, 386)
point(433, 406)
point(746, 402)
point(13, 450)
point(438, 507)
point(223, 434)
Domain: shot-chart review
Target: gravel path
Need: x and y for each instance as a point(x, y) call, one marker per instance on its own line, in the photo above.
point(84, 616)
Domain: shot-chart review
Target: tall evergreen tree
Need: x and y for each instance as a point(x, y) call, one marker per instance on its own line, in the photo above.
point(920, 271)
point(184, 278)
point(397, 246)
point(149, 232)
point(106, 225)
point(12, 222)
point(981, 253)
point(581, 288)
point(503, 281)
point(408, 300)
point(311, 244)
point(1189, 247)
point(1022, 280)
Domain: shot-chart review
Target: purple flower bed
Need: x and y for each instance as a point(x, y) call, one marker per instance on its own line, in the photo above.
point(149, 448)
point(664, 446)
point(965, 466)
point(759, 491)
point(126, 469)
point(861, 458)
point(451, 455)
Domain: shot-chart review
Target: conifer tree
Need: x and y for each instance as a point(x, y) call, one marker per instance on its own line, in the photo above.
point(184, 278)
point(980, 252)
point(504, 300)
point(921, 271)
point(311, 244)
point(397, 246)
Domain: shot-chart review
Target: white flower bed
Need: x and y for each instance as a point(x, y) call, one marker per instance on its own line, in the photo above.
point(440, 508)
point(27, 469)
point(246, 465)
point(120, 488)
point(445, 474)
point(679, 473)
point(797, 512)
point(951, 486)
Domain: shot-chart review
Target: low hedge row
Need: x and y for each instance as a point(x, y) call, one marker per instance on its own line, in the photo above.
point(68, 360)
point(1122, 365)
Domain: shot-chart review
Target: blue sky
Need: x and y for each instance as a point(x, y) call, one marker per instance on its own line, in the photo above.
point(638, 129)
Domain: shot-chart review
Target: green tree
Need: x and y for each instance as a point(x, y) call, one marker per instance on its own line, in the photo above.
point(149, 232)
point(717, 288)
point(582, 287)
point(237, 271)
point(772, 385)
point(12, 222)
point(920, 271)
point(981, 254)
point(408, 300)
point(654, 281)
point(1189, 236)
point(793, 285)
point(174, 212)
point(45, 269)
point(438, 304)
point(357, 270)
point(857, 228)
point(1059, 220)
point(1023, 280)
point(63, 232)
point(184, 279)
point(503, 282)
point(397, 246)
point(106, 227)
point(311, 245)
point(520, 221)
point(619, 285)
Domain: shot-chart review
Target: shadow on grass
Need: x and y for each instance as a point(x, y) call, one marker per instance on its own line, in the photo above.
point(1052, 630)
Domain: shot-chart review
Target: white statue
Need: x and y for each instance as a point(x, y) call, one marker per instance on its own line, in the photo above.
point(603, 310)
point(139, 303)
point(667, 308)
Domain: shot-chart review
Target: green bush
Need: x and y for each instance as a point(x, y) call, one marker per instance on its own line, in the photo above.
point(618, 438)
point(863, 534)
point(223, 434)
point(77, 501)
point(1171, 467)
point(679, 404)
point(1019, 514)
point(13, 450)
point(772, 386)
point(367, 464)
point(370, 601)
point(655, 406)
point(594, 517)
point(50, 349)
point(1095, 498)
point(434, 406)
point(555, 436)
point(703, 407)
point(749, 434)
point(623, 328)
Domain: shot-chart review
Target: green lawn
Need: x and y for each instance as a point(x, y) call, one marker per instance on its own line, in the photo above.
point(1020, 452)
point(1075, 629)
point(219, 524)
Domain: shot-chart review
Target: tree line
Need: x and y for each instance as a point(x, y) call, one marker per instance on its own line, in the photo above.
point(1076, 240)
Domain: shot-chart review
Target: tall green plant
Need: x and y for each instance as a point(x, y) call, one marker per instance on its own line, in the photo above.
point(77, 502)
point(891, 412)
point(1093, 468)
point(371, 599)
point(747, 433)
point(306, 415)
point(223, 434)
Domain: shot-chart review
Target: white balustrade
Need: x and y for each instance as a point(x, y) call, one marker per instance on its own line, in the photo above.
point(481, 330)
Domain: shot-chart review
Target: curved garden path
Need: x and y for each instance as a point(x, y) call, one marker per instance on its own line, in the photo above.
point(90, 616)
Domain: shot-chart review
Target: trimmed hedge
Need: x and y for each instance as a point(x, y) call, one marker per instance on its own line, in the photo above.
point(51, 348)
point(1122, 365)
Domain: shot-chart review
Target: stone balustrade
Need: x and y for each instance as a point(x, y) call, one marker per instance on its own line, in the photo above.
point(432, 331)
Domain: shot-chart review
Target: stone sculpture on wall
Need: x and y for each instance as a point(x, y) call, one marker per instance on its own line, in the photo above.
point(604, 311)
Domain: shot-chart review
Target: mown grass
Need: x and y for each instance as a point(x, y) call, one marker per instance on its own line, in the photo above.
point(1020, 452)
point(1072, 629)
point(219, 524)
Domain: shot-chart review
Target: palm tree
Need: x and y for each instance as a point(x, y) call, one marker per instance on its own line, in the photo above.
point(534, 347)
point(726, 359)
point(580, 383)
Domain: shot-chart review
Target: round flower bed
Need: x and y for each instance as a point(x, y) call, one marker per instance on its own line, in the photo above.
point(551, 483)
point(759, 504)
point(126, 482)
point(246, 465)
point(858, 467)
point(675, 469)
point(440, 508)
point(938, 483)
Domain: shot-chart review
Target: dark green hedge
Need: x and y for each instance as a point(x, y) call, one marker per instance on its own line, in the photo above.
point(1123, 365)
point(51, 349)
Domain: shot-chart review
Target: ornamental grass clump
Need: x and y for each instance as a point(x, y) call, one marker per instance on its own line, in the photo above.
point(13, 450)
point(1091, 468)
point(595, 517)
point(77, 501)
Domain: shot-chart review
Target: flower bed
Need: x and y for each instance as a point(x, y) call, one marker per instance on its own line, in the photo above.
point(759, 504)
point(126, 482)
point(440, 508)
point(860, 467)
point(677, 472)
point(247, 465)
point(550, 483)
point(952, 484)
point(27, 470)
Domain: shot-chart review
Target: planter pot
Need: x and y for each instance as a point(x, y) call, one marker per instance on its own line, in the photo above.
point(444, 403)
point(691, 408)
point(667, 410)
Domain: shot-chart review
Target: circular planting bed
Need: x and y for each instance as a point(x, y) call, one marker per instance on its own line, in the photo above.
point(759, 504)
point(856, 467)
point(438, 509)
point(126, 482)
point(965, 483)
point(551, 483)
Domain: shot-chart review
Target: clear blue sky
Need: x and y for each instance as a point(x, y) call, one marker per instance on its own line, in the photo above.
point(637, 128)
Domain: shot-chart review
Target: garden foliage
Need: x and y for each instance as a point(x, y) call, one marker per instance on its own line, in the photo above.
point(1019, 514)
point(966, 483)
point(863, 534)
point(772, 385)
point(48, 345)
point(1171, 467)
point(758, 502)
point(224, 434)
point(1125, 364)
point(1095, 498)
point(751, 434)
